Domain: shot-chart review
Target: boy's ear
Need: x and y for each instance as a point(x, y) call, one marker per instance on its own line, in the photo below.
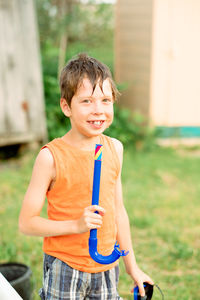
point(65, 107)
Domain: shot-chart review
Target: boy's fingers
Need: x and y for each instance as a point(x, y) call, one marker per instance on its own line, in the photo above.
point(150, 281)
point(141, 290)
point(98, 208)
point(95, 220)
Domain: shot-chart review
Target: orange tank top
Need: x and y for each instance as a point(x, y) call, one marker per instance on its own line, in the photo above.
point(72, 192)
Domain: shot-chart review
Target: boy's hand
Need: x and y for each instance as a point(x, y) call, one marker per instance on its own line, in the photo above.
point(90, 219)
point(140, 277)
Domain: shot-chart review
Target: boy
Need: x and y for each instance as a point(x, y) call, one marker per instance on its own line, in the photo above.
point(63, 172)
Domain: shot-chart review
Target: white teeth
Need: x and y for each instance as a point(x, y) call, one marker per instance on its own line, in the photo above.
point(96, 122)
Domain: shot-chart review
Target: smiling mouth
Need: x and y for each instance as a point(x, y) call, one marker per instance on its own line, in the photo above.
point(98, 123)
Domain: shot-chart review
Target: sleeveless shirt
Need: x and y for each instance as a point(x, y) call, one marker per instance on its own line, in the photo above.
point(72, 192)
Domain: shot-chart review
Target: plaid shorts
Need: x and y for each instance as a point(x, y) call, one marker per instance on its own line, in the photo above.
point(61, 282)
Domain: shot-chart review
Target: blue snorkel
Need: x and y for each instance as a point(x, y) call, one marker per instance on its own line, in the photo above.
point(101, 259)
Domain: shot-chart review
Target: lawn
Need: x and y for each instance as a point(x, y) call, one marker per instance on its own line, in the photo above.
point(161, 193)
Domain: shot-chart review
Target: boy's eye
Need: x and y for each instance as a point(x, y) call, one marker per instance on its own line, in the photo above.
point(86, 101)
point(106, 100)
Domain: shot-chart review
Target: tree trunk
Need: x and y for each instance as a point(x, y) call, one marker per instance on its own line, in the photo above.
point(62, 51)
point(64, 8)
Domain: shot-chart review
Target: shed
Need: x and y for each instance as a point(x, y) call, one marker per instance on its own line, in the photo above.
point(22, 117)
point(157, 46)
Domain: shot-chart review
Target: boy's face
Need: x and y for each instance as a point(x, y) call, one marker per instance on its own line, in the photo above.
point(91, 112)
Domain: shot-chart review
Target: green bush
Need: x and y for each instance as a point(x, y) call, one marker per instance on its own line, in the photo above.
point(130, 129)
point(57, 123)
point(93, 34)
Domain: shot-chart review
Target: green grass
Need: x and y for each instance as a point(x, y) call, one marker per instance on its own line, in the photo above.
point(161, 193)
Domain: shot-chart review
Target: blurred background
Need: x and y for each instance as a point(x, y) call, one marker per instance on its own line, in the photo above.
point(152, 49)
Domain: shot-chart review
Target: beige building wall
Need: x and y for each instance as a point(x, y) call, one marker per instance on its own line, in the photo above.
point(157, 54)
point(175, 80)
point(133, 52)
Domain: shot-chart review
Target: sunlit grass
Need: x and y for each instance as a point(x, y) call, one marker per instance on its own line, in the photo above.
point(161, 193)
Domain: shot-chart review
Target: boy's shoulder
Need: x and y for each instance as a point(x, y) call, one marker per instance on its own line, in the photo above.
point(119, 149)
point(118, 145)
point(45, 157)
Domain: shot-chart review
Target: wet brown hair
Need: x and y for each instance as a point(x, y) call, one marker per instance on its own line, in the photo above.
point(77, 69)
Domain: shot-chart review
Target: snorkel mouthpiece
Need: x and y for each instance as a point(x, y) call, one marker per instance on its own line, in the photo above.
point(101, 259)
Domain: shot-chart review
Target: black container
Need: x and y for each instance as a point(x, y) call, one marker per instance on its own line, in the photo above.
point(18, 275)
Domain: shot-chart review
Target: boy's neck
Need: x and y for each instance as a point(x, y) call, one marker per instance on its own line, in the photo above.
point(81, 142)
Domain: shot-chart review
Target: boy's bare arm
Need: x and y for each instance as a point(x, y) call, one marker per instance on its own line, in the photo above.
point(123, 231)
point(31, 223)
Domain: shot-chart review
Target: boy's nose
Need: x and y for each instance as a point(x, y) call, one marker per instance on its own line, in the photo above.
point(98, 109)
